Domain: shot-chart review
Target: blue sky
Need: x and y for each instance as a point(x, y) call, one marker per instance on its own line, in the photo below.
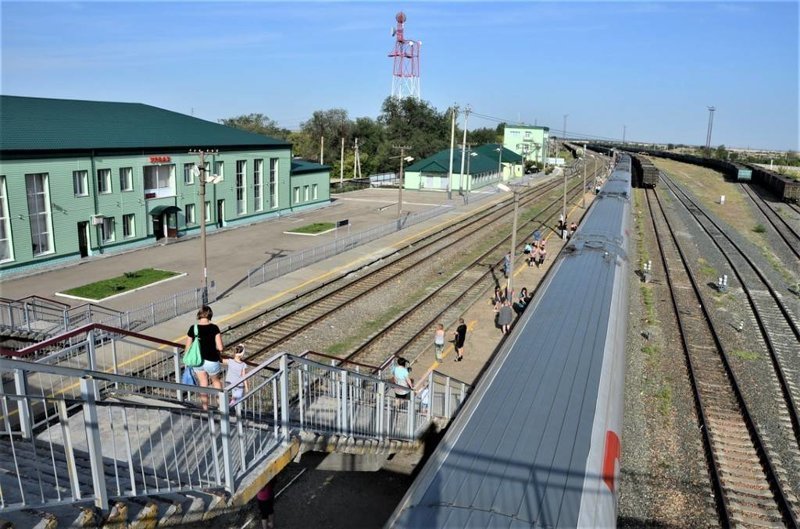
point(651, 67)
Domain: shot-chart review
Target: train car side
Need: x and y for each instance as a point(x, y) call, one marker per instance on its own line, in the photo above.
point(537, 443)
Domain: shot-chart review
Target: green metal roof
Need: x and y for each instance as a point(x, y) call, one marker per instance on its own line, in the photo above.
point(40, 124)
point(490, 150)
point(304, 166)
point(439, 162)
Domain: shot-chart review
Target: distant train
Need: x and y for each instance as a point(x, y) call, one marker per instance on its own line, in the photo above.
point(645, 174)
point(784, 187)
point(538, 442)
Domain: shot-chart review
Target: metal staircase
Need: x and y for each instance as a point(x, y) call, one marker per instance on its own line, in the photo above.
point(84, 445)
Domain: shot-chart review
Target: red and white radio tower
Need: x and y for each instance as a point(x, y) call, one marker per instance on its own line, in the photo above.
point(405, 75)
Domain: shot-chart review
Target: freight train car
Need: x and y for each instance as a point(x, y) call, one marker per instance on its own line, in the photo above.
point(537, 444)
point(645, 174)
point(785, 187)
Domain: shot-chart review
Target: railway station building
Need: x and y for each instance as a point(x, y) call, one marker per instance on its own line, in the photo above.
point(82, 178)
point(531, 139)
point(483, 166)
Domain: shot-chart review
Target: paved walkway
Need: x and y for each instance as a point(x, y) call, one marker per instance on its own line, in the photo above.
point(231, 252)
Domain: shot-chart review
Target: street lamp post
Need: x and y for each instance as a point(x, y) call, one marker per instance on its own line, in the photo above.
point(564, 205)
point(403, 158)
point(469, 174)
point(500, 163)
point(202, 192)
point(583, 196)
point(509, 284)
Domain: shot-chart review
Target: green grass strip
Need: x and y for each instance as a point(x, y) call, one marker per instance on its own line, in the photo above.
point(317, 227)
point(124, 283)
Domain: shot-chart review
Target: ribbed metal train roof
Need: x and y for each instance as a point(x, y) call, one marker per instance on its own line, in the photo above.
point(540, 393)
point(41, 124)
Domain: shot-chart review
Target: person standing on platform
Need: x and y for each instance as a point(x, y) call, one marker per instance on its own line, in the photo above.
point(438, 341)
point(402, 377)
point(507, 265)
point(210, 371)
point(505, 317)
point(460, 337)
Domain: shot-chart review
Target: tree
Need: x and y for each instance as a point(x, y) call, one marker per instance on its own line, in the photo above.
point(414, 123)
point(257, 123)
point(483, 136)
point(721, 153)
point(333, 125)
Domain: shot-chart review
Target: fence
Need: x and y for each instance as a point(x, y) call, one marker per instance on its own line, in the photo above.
point(41, 318)
point(298, 260)
point(72, 432)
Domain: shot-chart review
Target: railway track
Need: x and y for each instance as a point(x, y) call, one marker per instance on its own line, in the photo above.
point(264, 332)
point(785, 230)
point(411, 332)
point(778, 326)
point(747, 488)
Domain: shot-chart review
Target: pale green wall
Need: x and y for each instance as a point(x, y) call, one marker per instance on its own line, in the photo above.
point(513, 136)
point(67, 209)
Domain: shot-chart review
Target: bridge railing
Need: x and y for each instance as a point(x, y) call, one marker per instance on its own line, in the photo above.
point(113, 399)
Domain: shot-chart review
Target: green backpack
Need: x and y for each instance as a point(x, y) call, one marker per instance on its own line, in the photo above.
point(192, 357)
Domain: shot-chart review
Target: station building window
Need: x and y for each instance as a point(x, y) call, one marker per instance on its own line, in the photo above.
point(305, 194)
point(188, 177)
point(126, 179)
point(241, 180)
point(104, 181)
point(296, 195)
point(6, 248)
point(258, 184)
point(129, 225)
point(39, 213)
point(80, 183)
point(273, 182)
point(159, 181)
point(314, 191)
point(219, 170)
point(190, 215)
point(107, 229)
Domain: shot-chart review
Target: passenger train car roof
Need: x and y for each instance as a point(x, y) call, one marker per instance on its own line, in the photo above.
point(538, 398)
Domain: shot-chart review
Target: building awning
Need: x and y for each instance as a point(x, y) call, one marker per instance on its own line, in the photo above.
point(158, 210)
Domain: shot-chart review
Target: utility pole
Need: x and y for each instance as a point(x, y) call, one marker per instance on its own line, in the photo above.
point(357, 162)
point(341, 167)
point(463, 151)
point(402, 182)
point(583, 199)
point(710, 125)
point(202, 208)
point(624, 130)
point(322, 150)
point(454, 111)
point(565, 127)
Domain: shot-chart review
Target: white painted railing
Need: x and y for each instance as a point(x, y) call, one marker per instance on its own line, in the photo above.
point(78, 429)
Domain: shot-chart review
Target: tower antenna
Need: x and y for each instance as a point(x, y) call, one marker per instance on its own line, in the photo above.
point(405, 55)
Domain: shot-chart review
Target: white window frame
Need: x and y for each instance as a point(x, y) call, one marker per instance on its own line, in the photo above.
point(6, 239)
point(107, 230)
point(80, 183)
point(273, 183)
point(219, 169)
point(129, 225)
point(126, 178)
point(165, 184)
point(314, 190)
point(241, 187)
point(188, 177)
point(189, 211)
point(297, 195)
point(45, 214)
point(306, 194)
point(104, 181)
point(208, 211)
point(258, 184)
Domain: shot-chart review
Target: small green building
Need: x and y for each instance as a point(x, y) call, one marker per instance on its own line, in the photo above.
point(82, 178)
point(483, 166)
point(535, 140)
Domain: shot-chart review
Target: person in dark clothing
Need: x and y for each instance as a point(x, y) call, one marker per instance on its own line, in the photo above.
point(210, 371)
point(266, 505)
point(460, 336)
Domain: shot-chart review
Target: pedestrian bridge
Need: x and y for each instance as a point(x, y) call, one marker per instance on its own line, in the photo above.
point(103, 423)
